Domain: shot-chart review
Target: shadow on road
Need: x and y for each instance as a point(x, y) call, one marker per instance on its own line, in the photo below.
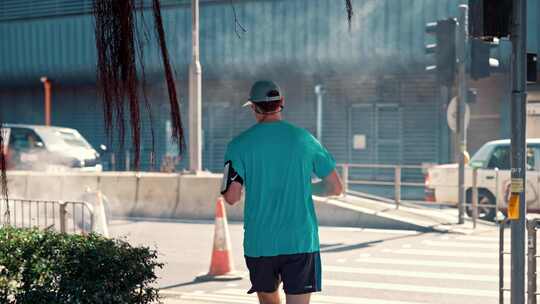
point(331, 248)
point(194, 282)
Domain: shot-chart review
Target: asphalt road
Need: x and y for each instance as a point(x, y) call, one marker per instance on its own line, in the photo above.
point(359, 266)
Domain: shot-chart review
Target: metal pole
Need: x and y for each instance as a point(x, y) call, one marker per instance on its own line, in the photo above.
point(319, 91)
point(475, 196)
point(501, 261)
point(397, 182)
point(461, 44)
point(63, 213)
point(128, 161)
point(531, 258)
point(518, 114)
point(497, 201)
point(345, 177)
point(195, 91)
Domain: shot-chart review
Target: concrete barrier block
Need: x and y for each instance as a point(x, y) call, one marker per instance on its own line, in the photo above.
point(44, 186)
point(198, 196)
point(157, 195)
point(17, 184)
point(119, 190)
point(75, 185)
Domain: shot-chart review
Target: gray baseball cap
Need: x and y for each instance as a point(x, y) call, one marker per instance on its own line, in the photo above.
point(264, 91)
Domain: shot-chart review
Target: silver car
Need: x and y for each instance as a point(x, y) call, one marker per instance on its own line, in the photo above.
point(45, 148)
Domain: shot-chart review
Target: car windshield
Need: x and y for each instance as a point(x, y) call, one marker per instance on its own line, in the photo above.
point(59, 138)
point(481, 157)
point(73, 139)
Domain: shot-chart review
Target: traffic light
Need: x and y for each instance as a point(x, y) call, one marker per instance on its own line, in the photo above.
point(444, 49)
point(490, 18)
point(481, 63)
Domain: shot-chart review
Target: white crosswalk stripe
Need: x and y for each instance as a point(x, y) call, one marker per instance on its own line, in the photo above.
point(412, 274)
point(424, 262)
point(450, 244)
point(464, 268)
point(239, 296)
point(441, 253)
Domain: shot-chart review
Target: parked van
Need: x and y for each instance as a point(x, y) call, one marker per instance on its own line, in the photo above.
point(45, 148)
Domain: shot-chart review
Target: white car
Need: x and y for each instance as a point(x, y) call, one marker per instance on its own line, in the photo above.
point(45, 148)
point(493, 163)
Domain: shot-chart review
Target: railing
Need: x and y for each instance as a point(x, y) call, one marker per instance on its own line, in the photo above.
point(397, 181)
point(502, 253)
point(66, 217)
point(532, 226)
point(532, 294)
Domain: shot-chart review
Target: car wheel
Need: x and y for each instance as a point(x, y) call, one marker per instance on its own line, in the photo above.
point(484, 198)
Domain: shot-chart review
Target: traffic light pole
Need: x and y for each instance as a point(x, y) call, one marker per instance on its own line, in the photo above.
point(518, 114)
point(461, 43)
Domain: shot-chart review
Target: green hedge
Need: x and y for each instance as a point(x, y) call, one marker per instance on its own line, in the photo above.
point(44, 267)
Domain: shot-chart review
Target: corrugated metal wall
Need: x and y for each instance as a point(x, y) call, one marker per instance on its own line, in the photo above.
point(374, 75)
point(308, 35)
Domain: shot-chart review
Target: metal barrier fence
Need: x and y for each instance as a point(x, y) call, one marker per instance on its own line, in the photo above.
point(532, 295)
point(65, 217)
point(395, 180)
point(532, 227)
point(502, 253)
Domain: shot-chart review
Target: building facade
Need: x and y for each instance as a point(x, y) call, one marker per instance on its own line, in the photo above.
point(380, 106)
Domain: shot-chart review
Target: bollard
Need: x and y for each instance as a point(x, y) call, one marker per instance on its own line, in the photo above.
point(475, 196)
point(397, 183)
point(531, 259)
point(62, 216)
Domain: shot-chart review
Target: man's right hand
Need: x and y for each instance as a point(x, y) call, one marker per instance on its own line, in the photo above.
point(330, 186)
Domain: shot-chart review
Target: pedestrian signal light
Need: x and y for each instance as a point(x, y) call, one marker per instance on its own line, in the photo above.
point(513, 206)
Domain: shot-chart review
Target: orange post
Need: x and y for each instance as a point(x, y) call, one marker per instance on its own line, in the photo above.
point(47, 88)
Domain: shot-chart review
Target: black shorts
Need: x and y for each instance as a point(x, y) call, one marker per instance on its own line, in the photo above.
point(300, 273)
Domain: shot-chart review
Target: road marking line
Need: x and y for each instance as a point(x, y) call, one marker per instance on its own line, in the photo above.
point(430, 263)
point(494, 239)
point(317, 298)
point(240, 296)
point(220, 298)
point(341, 260)
point(370, 230)
point(440, 253)
point(414, 288)
point(413, 274)
point(407, 246)
point(460, 244)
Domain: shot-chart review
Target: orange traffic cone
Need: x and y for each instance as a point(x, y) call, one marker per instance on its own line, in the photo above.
point(221, 265)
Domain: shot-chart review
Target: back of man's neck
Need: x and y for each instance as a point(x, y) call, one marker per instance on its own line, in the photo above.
point(271, 118)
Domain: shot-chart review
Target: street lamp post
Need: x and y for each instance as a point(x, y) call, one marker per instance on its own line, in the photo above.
point(195, 91)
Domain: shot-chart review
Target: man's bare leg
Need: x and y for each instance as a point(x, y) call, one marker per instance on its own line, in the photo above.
point(298, 299)
point(269, 297)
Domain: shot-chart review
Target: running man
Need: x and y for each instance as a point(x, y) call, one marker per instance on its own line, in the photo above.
point(275, 160)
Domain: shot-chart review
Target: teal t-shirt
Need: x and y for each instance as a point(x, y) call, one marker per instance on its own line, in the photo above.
point(276, 160)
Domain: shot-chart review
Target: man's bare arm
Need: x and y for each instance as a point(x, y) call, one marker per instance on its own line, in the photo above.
point(329, 186)
point(233, 194)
